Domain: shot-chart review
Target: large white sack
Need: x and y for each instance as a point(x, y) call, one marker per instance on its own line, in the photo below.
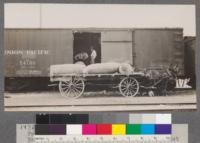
point(66, 69)
point(126, 69)
point(80, 63)
point(102, 68)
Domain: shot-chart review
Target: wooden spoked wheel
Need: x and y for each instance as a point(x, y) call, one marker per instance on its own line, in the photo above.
point(72, 88)
point(129, 87)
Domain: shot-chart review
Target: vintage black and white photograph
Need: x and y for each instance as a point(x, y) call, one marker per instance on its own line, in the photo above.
point(99, 57)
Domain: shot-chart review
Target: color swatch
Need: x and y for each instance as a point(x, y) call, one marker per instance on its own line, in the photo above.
point(57, 129)
point(104, 129)
point(133, 129)
point(89, 129)
point(147, 129)
point(118, 129)
point(50, 129)
point(163, 129)
point(74, 129)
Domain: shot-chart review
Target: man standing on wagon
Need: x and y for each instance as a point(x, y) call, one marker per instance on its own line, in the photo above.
point(93, 55)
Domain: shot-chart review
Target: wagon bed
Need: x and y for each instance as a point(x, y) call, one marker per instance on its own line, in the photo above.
point(73, 85)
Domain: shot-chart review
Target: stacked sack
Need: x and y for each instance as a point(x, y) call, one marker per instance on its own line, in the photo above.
point(102, 68)
point(64, 69)
point(126, 69)
point(98, 68)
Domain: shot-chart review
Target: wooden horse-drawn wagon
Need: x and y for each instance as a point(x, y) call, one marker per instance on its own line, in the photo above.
point(129, 85)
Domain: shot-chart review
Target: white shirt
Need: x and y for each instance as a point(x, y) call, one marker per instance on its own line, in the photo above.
point(93, 54)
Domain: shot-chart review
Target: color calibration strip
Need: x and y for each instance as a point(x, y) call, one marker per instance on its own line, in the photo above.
point(110, 118)
point(103, 129)
point(25, 134)
point(84, 124)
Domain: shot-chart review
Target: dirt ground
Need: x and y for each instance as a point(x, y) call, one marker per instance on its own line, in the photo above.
point(98, 101)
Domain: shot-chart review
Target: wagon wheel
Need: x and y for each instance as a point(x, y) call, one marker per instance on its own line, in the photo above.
point(72, 88)
point(129, 86)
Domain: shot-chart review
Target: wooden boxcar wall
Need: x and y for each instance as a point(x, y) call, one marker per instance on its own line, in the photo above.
point(140, 47)
point(58, 44)
point(190, 48)
point(154, 47)
point(117, 46)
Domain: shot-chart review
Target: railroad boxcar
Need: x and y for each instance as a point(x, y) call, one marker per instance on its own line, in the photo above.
point(30, 52)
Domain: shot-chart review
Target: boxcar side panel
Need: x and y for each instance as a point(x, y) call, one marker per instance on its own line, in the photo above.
point(116, 35)
point(116, 46)
point(158, 47)
point(190, 48)
point(30, 52)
